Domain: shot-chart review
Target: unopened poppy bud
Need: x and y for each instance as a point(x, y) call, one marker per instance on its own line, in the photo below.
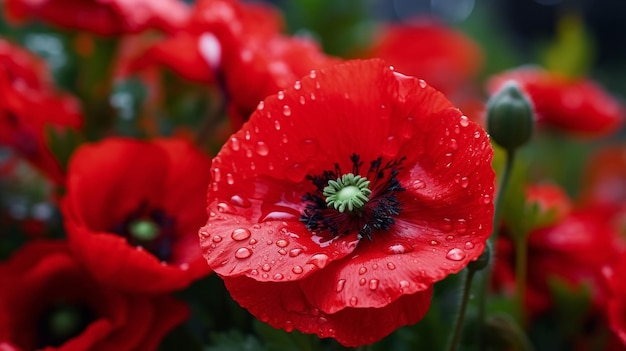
point(482, 261)
point(510, 117)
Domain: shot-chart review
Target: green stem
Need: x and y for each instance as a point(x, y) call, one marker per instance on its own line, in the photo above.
point(458, 325)
point(486, 276)
point(521, 265)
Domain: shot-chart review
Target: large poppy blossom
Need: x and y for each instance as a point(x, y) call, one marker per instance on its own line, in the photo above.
point(30, 104)
point(574, 105)
point(132, 211)
point(426, 48)
point(102, 17)
point(344, 198)
point(48, 301)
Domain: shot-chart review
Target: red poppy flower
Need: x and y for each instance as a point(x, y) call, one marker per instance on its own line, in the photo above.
point(29, 105)
point(107, 18)
point(573, 250)
point(604, 182)
point(48, 301)
point(132, 212)
point(573, 105)
point(414, 209)
point(427, 49)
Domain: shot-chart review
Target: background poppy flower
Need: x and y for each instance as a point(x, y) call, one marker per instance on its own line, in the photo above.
point(428, 214)
point(425, 48)
point(573, 105)
point(132, 211)
point(616, 306)
point(49, 301)
point(30, 107)
point(105, 18)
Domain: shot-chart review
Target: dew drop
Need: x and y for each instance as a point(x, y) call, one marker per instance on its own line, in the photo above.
point(297, 85)
point(312, 96)
point(354, 301)
point(295, 252)
point(278, 276)
point(276, 125)
point(449, 237)
point(254, 272)
point(464, 182)
point(297, 270)
point(373, 285)
point(486, 199)
point(266, 267)
point(247, 135)
point(434, 242)
point(317, 85)
point(362, 281)
point(252, 241)
point(455, 254)
point(284, 139)
point(464, 121)
point(398, 248)
point(217, 174)
point(453, 144)
point(286, 111)
point(230, 179)
point(260, 106)
point(262, 149)
point(461, 226)
point(422, 83)
point(302, 100)
point(235, 144)
point(282, 243)
point(419, 184)
point(403, 285)
point(362, 270)
point(225, 207)
point(476, 135)
point(340, 284)
point(216, 238)
point(322, 320)
point(319, 260)
point(265, 275)
point(447, 225)
point(282, 252)
point(312, 74)
point(243, 252)
point(391, 266)
point(281, 95)
point(288, 326)
point(240, 201)
point(240, 234)
point(469, 245)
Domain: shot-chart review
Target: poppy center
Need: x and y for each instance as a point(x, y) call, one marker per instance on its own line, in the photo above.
point(61, 322)
point(344, 203)
point(149, 228)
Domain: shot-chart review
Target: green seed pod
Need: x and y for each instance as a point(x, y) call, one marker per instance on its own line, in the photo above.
point(510, 117)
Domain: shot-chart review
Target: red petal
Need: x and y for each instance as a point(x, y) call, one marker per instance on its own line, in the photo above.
point(284, 305)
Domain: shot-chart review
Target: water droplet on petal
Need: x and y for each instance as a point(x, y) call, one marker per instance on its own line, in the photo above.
point(469, 245)
point(455, 254)
point(278, 276)
point(461, 226)
point(464, 182)
point(447, 225)
point(322, 320)
point(216, 238)
point(286, 111)
point(282, 243)
point(403, 285)
point(266, 267)
point(476, 135)
point(373, 285)
point(434, 242)
point(240, 234)
point(312, 74)
point(235, 145)
point(302, 100)
point(354, 301)
point(281, 95)
point(297, 270)
point(243, 252)
point(362, 270)
point(422, 83)
point(240, 201)
point(297, 85)
point(225, 207)
point(295, 252)
point(282, 252)
point(254, 272)
point(230, 179)
point(391, 266)
point(419, 184)
point(262, 149)
point(265, 275)
point(276, 125)
point(340, 284)
point(362, 281)
point(260, 106)
point(464, 121)
point(486, 199)
point(398, 248)
point(312, 96)
point(252, 241)
point(217, 174)
point(453, 144)
point(288, 326)
point(319, 260)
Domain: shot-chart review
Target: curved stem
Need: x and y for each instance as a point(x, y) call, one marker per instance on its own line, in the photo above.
point(486, 276)
point(458, 325)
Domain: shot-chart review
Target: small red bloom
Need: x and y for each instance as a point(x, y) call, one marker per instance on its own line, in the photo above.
point(410, 204)
point(573, 105)
point(427, 49)
point(616, 306)
point(48, 301)
point(108, 18)
point(132, 211)
point(573, 249)
point(29, 105)
point(604, 182)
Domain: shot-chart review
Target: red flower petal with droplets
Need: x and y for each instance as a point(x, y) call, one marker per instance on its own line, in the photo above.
point(44, 278)
point(429, 214)
point(427, 49)
point(118, 183)
point(573, 105)
point(29, 105)
point(102, 17)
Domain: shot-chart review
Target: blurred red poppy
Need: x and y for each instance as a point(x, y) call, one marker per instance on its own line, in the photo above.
point(573, 105)
point(107, 18)
point(48, 301)
point(616, 306)
point(296, 258)
point(425, 48)
point(31, 107)
point(132, 212)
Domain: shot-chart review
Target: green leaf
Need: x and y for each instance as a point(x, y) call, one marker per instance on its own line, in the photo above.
point(571, 53)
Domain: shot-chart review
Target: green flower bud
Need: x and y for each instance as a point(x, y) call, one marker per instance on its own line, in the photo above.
point(510, 117)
